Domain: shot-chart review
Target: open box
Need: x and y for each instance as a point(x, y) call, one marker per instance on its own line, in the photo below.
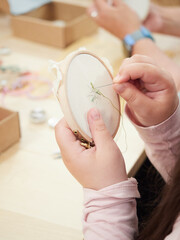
point(56, 24)
point(9, 128)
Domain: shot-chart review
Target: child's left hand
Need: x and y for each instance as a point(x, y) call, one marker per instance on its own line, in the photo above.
point(95, 168)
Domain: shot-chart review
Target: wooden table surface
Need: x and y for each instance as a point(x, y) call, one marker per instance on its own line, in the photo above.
point(39, 199)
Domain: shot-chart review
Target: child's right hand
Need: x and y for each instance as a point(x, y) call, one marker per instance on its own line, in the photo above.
point(149, 91)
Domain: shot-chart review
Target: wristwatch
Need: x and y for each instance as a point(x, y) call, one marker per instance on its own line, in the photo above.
point(131, 39)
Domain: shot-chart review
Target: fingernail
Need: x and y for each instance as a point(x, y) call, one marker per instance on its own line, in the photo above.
point(118, 78)
point(94, 114)
point(120, 87)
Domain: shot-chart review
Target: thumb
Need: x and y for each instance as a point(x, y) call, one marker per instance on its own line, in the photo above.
point(100, 133)
point(136, 99)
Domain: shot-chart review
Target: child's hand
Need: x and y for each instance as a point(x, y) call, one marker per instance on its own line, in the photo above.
point(149, 91)
point(118, 19)
point(95, 168)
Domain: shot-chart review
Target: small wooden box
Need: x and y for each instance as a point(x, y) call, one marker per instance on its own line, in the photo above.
point(9, 128)
point(56, 24)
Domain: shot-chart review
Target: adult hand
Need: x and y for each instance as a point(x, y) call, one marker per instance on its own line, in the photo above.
point(149, 91)
point(118, 19)
point(154, 20)
point(97, 167)
point(163, 20)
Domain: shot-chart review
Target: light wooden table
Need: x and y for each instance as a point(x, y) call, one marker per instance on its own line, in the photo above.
point(39, 199)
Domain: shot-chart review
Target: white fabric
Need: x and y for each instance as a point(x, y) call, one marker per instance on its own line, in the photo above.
point(84, 70)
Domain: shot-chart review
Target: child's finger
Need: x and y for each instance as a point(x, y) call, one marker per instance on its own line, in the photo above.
point(137, 58)
point(133, 96)
point(154, 79)
point(98, 129)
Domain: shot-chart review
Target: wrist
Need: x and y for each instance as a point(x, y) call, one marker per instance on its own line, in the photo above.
point(130, 40)
point(121, 190)
point(143, 46)
point(106, 184)
point(145, 122)
point(169, 20)
point(128, 31)
point(159, 132)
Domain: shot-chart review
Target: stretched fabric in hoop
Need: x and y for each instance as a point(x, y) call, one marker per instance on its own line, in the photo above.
point(75, 88)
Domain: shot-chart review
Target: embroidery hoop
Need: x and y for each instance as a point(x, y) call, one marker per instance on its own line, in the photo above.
point(65, 87)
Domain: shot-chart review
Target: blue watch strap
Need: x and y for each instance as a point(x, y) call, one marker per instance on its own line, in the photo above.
point(131, 39)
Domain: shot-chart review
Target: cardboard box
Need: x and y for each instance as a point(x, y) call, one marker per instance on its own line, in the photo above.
point(4, 6)
point(9, 128)
point(56, 24)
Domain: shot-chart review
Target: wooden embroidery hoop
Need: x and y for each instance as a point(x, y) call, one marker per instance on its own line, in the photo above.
point(65, 74)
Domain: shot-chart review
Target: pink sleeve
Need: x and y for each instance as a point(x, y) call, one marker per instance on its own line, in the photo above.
point(162, 143)
point(110, 213)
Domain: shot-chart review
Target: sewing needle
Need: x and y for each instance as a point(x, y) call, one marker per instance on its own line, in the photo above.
point(105, 85)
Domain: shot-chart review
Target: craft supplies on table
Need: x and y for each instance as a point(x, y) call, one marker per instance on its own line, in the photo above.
point(15, 81)
point(38, 115)
point(57, 24)
point(5, 51)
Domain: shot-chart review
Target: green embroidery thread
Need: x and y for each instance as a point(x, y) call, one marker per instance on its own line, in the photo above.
point(97, 91)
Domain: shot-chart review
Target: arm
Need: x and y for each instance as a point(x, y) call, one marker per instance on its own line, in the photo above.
point(110, 213)
point(109, 197)
point(152, 104)
point(163, 20)
point(120, 20)
point(110, 210)
point(162, 143)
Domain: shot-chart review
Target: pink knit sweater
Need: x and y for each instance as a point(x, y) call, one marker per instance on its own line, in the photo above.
point(110, 213)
